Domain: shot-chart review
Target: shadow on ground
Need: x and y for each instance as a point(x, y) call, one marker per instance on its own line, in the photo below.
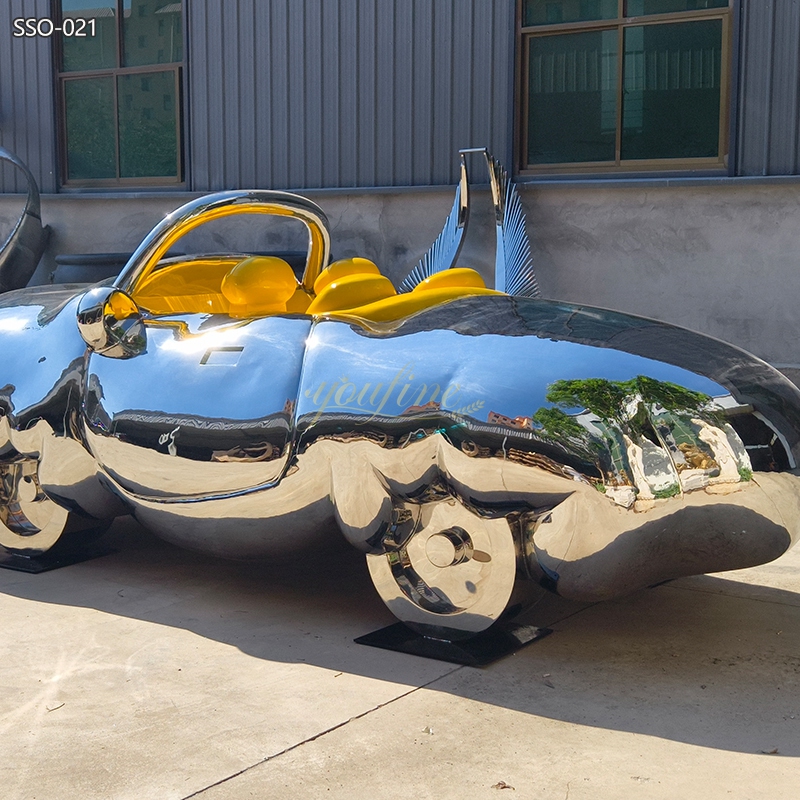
point(706, 660)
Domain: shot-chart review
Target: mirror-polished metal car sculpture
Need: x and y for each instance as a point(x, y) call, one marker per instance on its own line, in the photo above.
point(467, 440)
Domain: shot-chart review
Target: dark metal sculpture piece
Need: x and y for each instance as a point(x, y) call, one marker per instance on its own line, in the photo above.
point(21, 251)
point(468, 449)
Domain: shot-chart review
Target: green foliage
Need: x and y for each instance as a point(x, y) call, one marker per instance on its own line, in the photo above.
point(558, 424)
point(607, 399)
point(745, 474)
point(669, 395)
point(670, 491)
point(604, 398)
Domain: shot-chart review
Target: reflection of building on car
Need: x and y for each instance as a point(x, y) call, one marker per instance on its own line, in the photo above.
point(467, 440)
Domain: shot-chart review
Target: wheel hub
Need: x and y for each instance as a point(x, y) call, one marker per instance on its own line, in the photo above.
point(447, 572)
point(449, 547)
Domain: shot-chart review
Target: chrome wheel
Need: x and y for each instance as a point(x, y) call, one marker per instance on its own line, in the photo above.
point(31, 523)
point(444, 571)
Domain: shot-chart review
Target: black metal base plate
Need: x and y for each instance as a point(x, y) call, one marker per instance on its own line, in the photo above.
point(485, 648)
point(46, 561)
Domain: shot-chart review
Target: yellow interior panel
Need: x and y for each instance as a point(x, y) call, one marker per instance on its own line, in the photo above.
point(258, 286)
point(403, 305)
point(343, 267)
point(190, 287)
point(299, 302)
point(351, 291)
point(449, 278)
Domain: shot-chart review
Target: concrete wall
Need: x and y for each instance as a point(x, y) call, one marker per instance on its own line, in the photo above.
point(721, 258)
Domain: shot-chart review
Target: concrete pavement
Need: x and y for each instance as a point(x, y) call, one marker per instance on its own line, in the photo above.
point(157, 673)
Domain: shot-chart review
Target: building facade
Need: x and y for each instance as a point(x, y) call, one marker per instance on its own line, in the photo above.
point(656, 142)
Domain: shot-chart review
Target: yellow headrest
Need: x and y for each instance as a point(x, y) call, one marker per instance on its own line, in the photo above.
point(259, 280)
point(351, 291)
point(345, 266)
point(451, 278)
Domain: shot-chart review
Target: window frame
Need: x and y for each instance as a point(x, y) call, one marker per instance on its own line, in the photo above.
point(62, 77)
point(658, 166)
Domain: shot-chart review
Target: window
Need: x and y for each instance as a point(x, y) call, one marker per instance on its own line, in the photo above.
point(624, 85)
point(114, 130)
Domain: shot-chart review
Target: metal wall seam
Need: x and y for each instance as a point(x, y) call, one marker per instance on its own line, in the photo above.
point(785, 80)
point(403, 165)
point(768, 84)
point(27, 111)
point(312, 93)
point(384, 125)
point(8, 177)
point(330, 121)
point(768, 135)
point(442, 82)
point(277, 84)
point(422, 68)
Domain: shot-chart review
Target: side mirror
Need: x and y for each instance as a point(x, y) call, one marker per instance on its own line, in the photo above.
point(111, 323)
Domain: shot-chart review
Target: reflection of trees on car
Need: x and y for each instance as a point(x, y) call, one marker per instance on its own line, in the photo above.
point(653, 435)
point(611, 400)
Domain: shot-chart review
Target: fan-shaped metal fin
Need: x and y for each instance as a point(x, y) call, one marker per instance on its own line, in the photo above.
point(513, 271)
point(444, 251)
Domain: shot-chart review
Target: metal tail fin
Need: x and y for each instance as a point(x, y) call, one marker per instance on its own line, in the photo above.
point(444, 251)
point(514, 273)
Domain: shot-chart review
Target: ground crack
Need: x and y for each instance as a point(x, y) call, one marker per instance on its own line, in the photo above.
point(320, 734)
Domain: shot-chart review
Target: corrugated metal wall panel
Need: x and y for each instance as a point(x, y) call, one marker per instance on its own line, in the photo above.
point(328, 93)
point(421, 69)
point(349, 93)
point(27, 122)
point(783, 155)
point(769, 103)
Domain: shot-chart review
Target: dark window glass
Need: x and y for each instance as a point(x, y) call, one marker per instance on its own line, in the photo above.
point(154, 27)
point(90, 52)
point(635, 8)
point(671, 96)
point(552, 12)
point(147, 136)
point(90, 128)
point(573, 97)
point(122, 123)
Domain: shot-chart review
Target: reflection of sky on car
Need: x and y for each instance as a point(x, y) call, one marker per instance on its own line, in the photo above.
point(35, 358)
point(177, 376)
point(19, 318)
point(508, 375)
point(347, 371)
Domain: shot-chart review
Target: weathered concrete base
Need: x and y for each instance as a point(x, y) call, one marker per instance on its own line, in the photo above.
point(158, 673)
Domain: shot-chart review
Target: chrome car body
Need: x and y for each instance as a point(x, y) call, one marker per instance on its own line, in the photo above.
point(467, 448)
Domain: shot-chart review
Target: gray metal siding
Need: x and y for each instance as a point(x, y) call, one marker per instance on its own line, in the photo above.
point(345, 93)
point(357, 93)
point(27, 124)
point(769, 88)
